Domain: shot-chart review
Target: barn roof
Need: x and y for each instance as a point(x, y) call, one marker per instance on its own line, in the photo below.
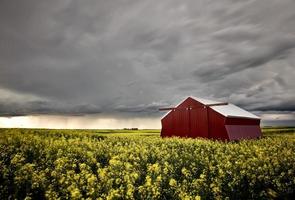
point(205, 101)
point(231, 110)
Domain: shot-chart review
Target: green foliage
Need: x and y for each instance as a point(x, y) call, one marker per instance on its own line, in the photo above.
point(116, 164)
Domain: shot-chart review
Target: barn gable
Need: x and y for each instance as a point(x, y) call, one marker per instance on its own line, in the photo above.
point(189, 101)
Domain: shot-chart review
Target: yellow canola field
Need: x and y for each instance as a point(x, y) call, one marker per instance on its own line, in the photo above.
point(66, 164)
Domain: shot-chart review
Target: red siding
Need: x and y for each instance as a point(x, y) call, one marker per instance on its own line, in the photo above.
point(242, 121)
point(193, 119)
point(181, 122)
point(198, 122)
point(242, 128)
point(216, 125)
point(167, 126)
point(190, 102)
point(238, 132)
point(185, 122)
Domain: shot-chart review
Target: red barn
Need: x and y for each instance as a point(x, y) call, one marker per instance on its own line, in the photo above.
point(195, 117)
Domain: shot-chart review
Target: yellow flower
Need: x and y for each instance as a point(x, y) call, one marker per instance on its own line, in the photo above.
point(148, 181)
point(197, 197)
point(75, 193)
point(172, 182)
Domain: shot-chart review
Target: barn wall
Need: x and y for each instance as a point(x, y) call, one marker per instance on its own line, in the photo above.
point(242, 121)
point(183, 123)
point(175, 124)
point(192, 122)
point(198, 122)
point(216, 125)
point(243, 128)
point(179, 122)
point(239, 132)
point(167, 126)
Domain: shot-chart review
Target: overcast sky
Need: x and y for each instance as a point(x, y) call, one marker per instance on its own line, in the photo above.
point(120, 57)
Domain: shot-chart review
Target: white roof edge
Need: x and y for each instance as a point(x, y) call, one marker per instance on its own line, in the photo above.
point(230, 116)
point(165, 115)
point(205, 101)
point(234, 111)
point(175, 107)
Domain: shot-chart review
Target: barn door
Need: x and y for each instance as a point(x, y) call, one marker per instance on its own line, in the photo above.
point(198, 122)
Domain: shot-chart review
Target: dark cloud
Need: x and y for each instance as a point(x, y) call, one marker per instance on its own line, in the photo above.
point(125, 56)
point(257, 58)
point(45, 107)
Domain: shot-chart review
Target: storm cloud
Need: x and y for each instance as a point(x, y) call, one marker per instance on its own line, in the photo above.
point(75, 57)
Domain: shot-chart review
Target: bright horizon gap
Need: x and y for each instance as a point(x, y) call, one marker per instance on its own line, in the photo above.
point(79, 122)
point(109, 122)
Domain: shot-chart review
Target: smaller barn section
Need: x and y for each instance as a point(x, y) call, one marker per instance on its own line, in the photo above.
point(196, 117)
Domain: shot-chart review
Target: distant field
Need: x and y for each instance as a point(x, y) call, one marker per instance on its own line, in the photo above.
point(138, 164)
